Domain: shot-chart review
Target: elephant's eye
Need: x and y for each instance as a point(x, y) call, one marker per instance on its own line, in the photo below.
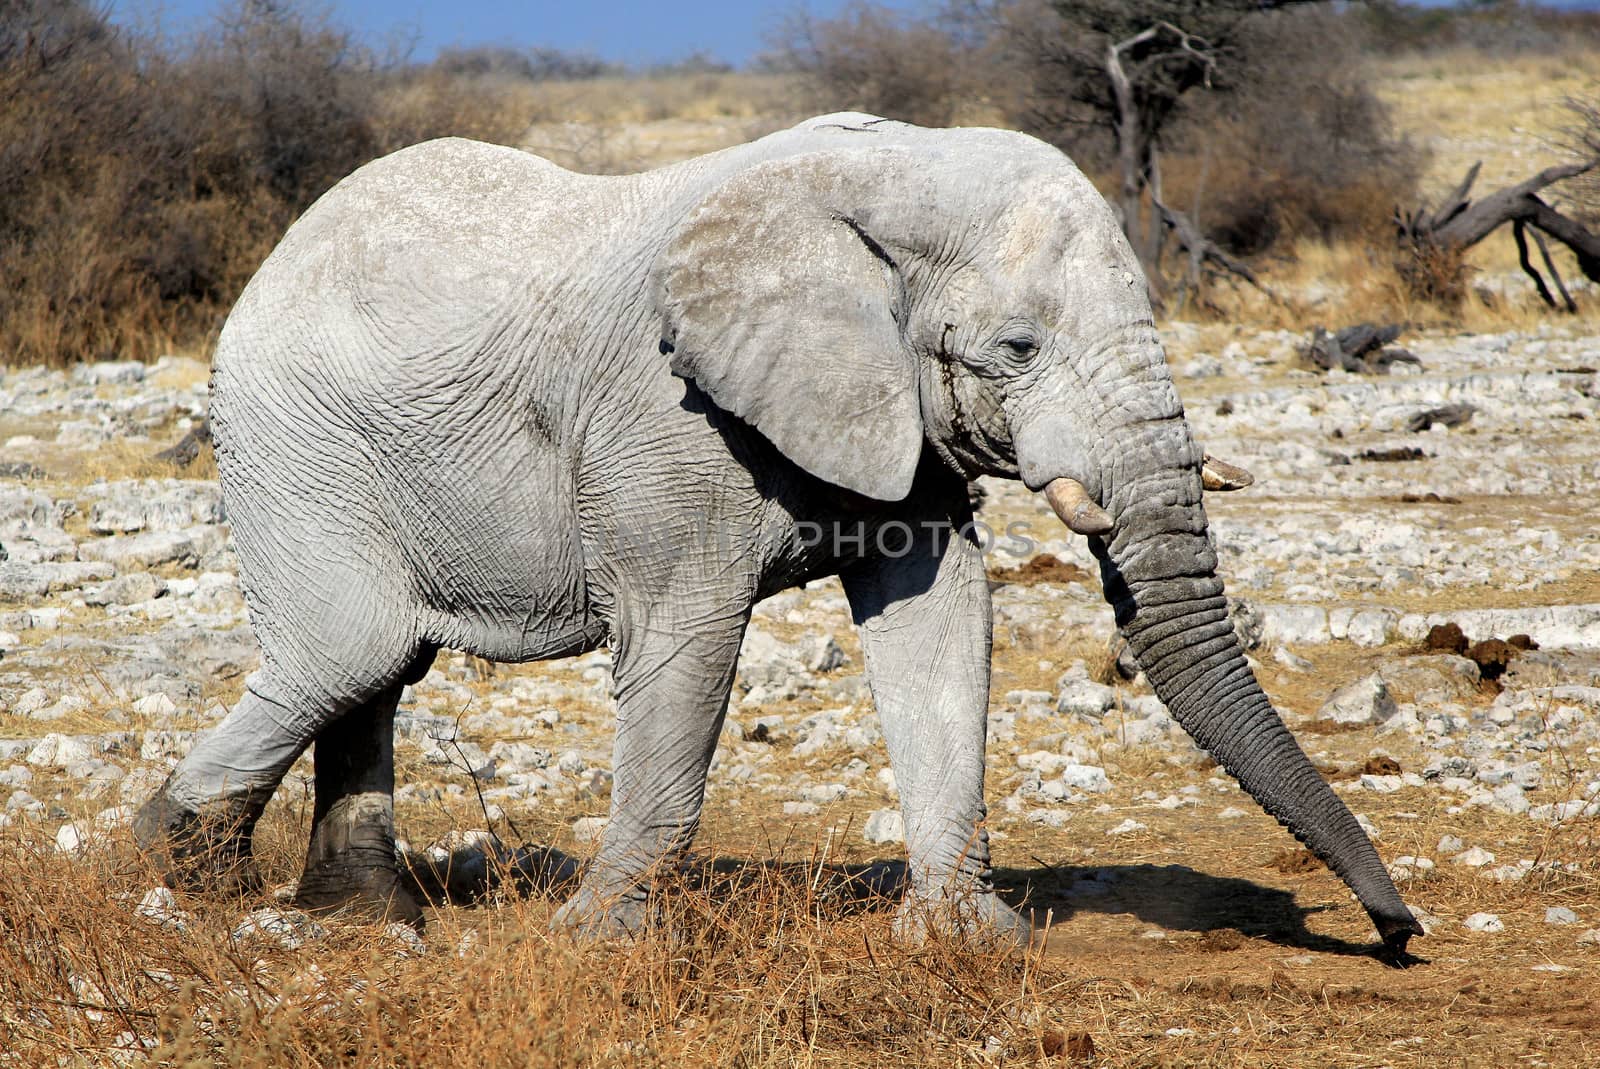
point(1020, 346)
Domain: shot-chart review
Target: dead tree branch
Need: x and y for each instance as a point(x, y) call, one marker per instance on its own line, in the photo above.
point(1203, 252)
point(1459, 223)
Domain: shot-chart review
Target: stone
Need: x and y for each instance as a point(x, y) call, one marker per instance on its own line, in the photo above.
point(58, 751)
point(70, 839)
point(589, 829)
point(1453, 678)
point(1364, 702)
point(160, 906)
point(595, 783)
point(825, 793)
point(1560, 915)
point(1477, 857)
point(1510, 798)
point(1560, 812)
point(1127, 827)
point(289, 928)
point(31, 701)
point(151, 549)
point(823, 654)
point(126, 590)
point(1090, 778)
point(1083, 697)
point(885, 826)
point(155, 706)
point(109, 373)
point(1487, 923)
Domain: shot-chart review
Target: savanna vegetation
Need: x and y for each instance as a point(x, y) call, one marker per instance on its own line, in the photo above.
point(143, 177)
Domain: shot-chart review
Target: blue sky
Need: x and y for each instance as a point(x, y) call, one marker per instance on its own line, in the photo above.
point(630, 31)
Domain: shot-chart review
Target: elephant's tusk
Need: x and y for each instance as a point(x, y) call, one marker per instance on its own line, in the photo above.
point(1071, 502)
point(1220, 475)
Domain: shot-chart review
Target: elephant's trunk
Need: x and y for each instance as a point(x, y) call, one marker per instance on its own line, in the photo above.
point(1159, 573)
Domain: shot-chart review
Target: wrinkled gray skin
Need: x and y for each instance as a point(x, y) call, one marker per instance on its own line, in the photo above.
point(476, 401)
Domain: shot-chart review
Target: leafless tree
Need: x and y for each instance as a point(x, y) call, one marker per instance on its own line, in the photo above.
point(1124, 67)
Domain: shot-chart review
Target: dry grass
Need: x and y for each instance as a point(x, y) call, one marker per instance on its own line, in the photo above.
point(777, 964)
point(767, 965)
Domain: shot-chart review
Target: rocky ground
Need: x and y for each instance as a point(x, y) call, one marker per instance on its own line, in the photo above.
point(1373, 524)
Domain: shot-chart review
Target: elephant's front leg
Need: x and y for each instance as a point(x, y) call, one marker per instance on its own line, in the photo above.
point(924, 622)
point(674, 668)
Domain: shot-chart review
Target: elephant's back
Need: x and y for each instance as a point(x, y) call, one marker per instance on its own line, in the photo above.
point(412, 254)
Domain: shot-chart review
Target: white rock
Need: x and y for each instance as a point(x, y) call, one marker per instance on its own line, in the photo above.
point(824, 793)
point(409, 942)
point(1090, 778)
point(288, 928)
point(588, 829)
point(1560, 915)
point(32, 701)
point(70, 839)
point(160, 906)
point(1428, 920)
point(1084, 697)
point(1558, 812)
point(885, 826)
point(1509, 798)
point(1366, 701)
point(801, 809)
point(1294, 625)
point(1476, 858)
point(1591, 937)
point(156, 706)
point(1450, 844)
point(1484, 922)
point(1127, 827)
point(58, 751)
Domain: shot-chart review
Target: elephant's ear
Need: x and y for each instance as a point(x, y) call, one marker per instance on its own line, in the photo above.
point(779, 305)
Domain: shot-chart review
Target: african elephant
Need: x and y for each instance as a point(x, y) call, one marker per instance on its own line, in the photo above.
point(476, 401)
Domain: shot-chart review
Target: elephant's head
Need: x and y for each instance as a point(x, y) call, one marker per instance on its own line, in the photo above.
point(896, 289)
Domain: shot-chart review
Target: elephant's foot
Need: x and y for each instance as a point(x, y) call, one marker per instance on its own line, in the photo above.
point(977, 917)
point(203, 849)
point(591, 916)
point(351, 865)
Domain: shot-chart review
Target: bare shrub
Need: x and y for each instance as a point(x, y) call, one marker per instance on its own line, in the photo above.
point(877, 59)
point(537, 64)
point(141, 186)
point(1301, 148)
point(1493, 27)
point(1580, 139)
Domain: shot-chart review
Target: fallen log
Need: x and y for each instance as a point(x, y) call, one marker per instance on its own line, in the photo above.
point(1363, 349)
point(1459, 223)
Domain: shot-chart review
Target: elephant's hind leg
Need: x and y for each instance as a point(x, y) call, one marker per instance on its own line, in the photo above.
point(350, 863)
point(198, 826)
point(317, 671)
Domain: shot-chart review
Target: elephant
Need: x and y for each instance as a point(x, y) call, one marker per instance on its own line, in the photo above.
point(475, 401)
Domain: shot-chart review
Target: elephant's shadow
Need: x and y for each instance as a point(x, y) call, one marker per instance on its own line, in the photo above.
point(1175, 898)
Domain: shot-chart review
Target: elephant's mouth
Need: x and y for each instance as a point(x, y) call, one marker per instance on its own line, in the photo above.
point(1075, 508)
